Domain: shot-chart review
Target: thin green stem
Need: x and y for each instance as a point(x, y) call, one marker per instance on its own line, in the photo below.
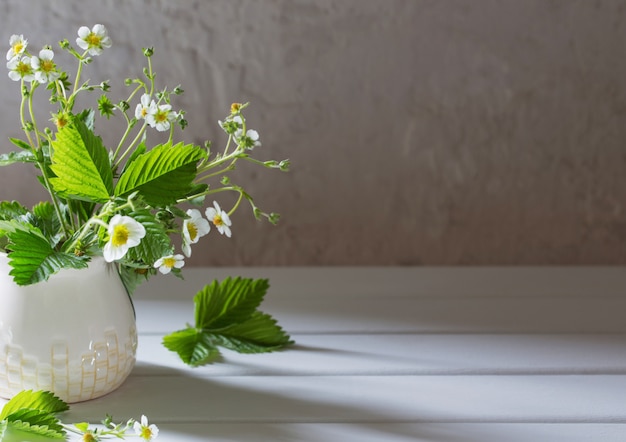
point(128, 127)
point(215, 163)
point(237, 203)
point(131, 145)
point(79, 71)
point(228, 168)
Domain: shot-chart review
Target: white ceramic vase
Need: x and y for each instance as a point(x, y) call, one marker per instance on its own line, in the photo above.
point(74, 335)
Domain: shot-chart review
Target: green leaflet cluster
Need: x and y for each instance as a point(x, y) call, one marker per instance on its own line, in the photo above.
point(33, 412)
point(227, 315)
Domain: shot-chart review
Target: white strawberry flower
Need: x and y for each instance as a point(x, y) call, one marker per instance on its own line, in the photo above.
point(249, 140)
point(18, 45)
point(194, 228)
point(219, 218)
point(21, 69)
point(145, 431)
point(167, 263)
point(124, 233)
point(161, 116)
point(143, 108)
point(45, 69)
point(94, 40)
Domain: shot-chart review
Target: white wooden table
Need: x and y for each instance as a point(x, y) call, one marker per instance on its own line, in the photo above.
point(394, 354)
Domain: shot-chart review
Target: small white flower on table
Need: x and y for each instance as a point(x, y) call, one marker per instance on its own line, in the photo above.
point(145, 431)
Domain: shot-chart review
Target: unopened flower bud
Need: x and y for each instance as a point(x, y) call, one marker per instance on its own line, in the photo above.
point(284, 165)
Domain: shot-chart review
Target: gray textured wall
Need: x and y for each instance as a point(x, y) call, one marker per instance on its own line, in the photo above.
point(420, 132)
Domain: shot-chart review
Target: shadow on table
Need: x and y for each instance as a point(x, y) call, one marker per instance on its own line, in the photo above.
point(192, 404)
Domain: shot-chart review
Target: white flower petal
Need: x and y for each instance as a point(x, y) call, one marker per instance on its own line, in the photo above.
point(186, 249)
point(83, 32)
point(46, 54)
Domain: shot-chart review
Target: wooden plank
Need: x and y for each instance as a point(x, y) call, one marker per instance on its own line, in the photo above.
point(311, 399)
point(408, 354)
point(381, 432)
point(414, 315)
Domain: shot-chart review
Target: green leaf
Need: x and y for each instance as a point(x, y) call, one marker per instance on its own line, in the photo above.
point(87, 116)
point(259, 334)
point(44, 401)
point(155, 244)
point(22, 156)
point(192, 345)
point(44, 218)
point(139, 150)
point(11, 209)
point(162, 175)
point(133, 277)
point(36, 421)
point(33, 259)
point(233, 301)
point(81, 164)
point(20, 143)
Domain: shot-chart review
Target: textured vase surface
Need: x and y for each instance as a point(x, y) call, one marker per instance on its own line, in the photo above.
point(74, 335)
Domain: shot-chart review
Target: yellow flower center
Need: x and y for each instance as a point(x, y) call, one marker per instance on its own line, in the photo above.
point(23, 68)
point(169, 262)
point(120, 235)
point(93, 40)
point(160, 116)
point(218, 221)
point(144, 111)
point(146, 433)
point(47, 65)
point(193, 231)
point(88, 437)
point(61, 121)
point(18, 47)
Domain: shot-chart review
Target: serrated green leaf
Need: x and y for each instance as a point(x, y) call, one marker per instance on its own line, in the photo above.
point(23, 156)
point(11, 209)
point(38, 422)
point(259, 334)
point(138, 151)
point(44, 401)
point(192, 345)
point(44, 218)
point(81, 165)
point(33, 259)
point(230, 302)
point(162, 175)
